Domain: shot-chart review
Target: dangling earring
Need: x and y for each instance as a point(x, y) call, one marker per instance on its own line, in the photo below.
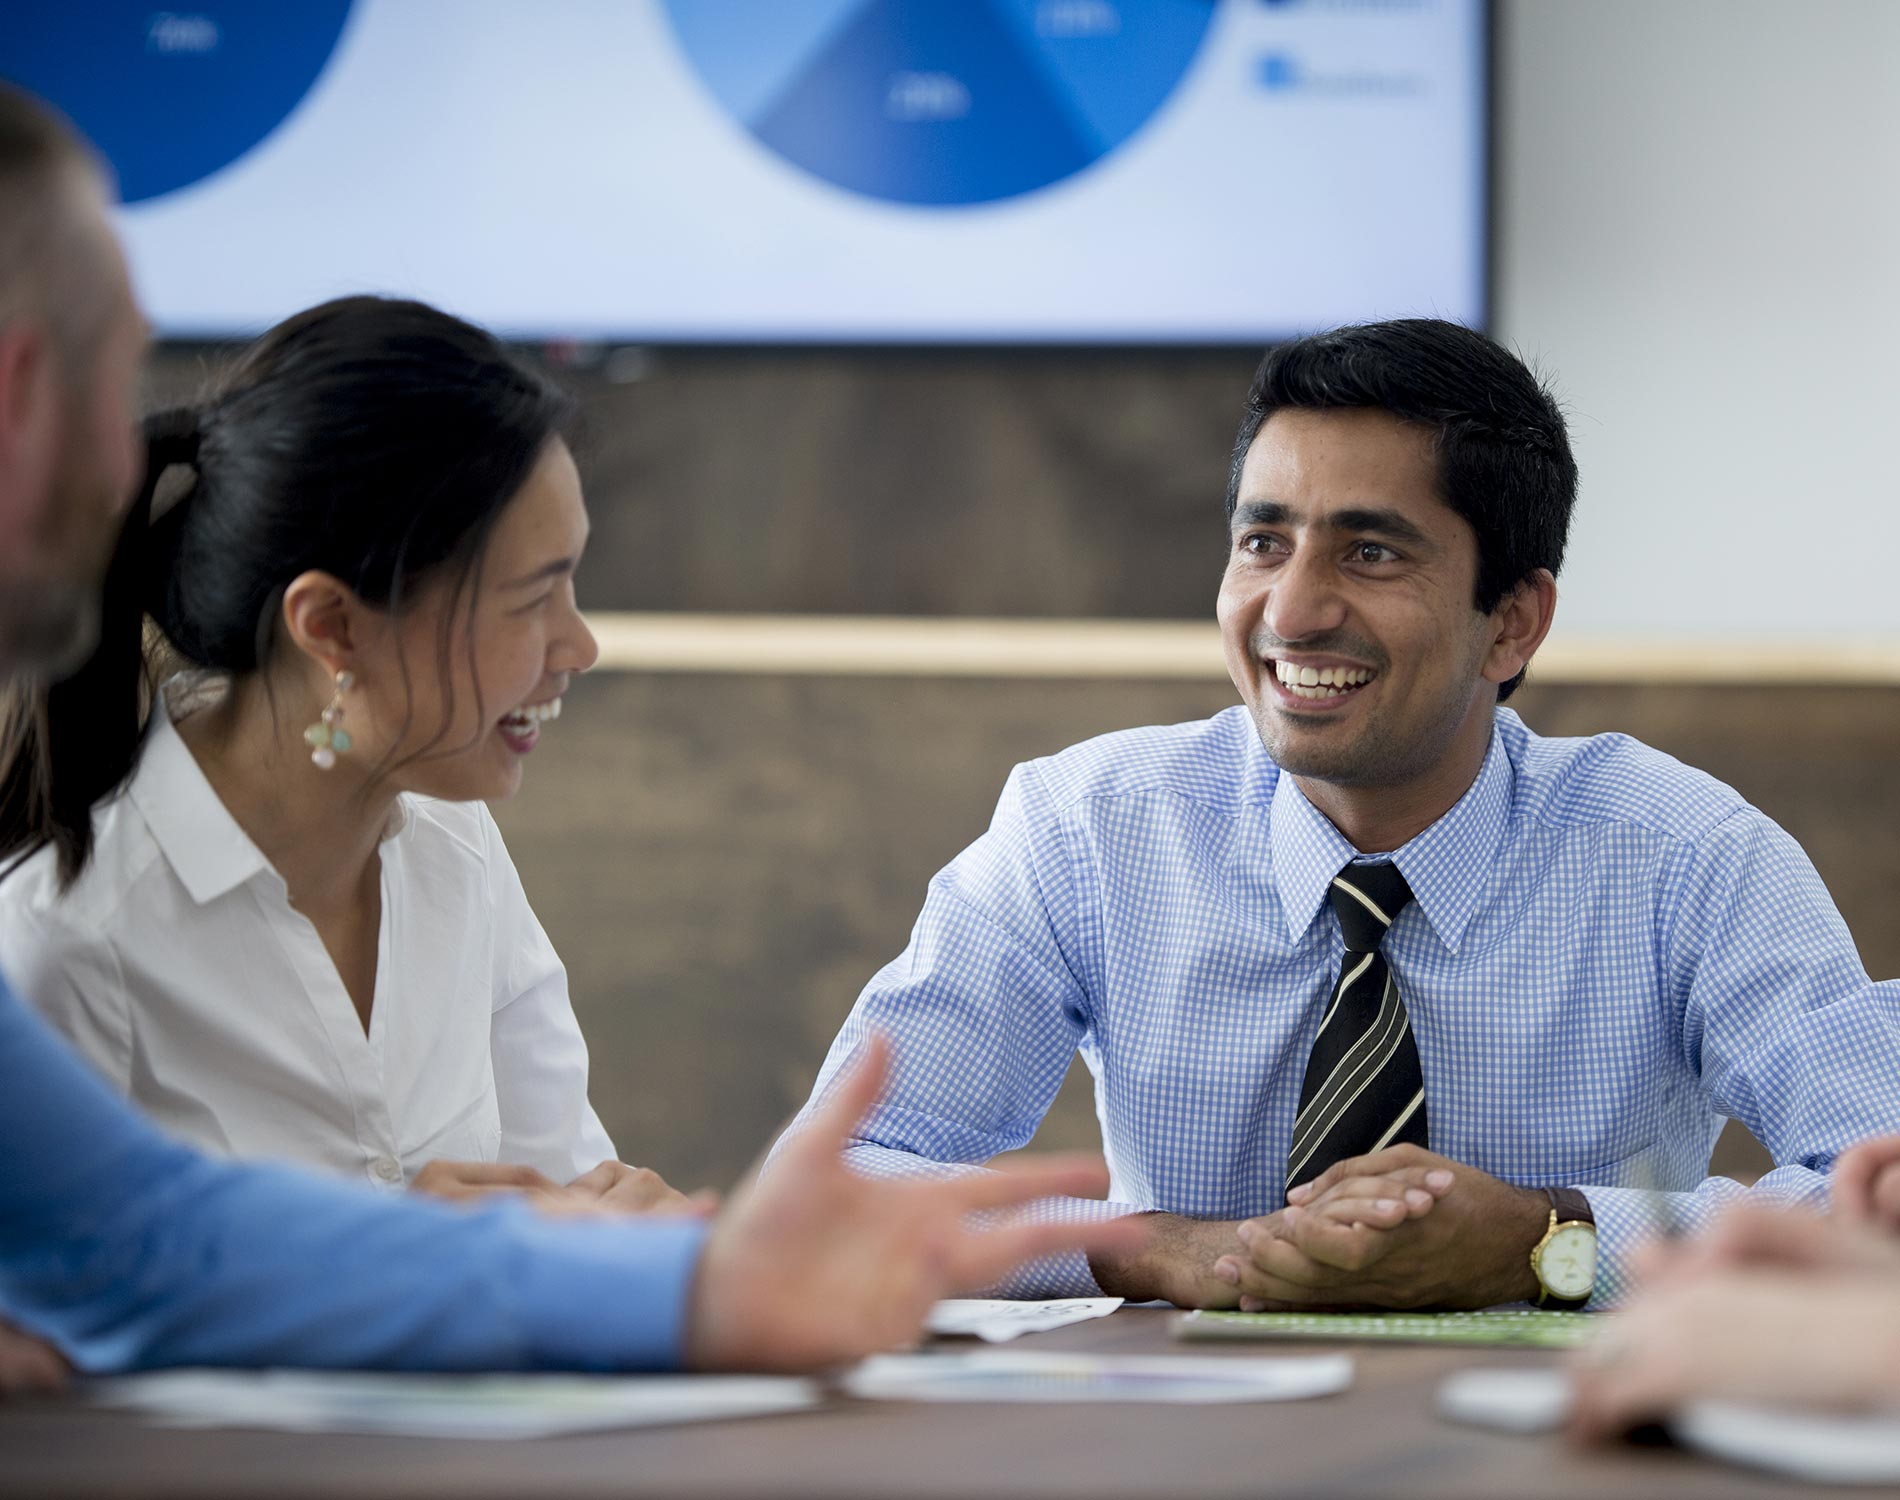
point(328, 738)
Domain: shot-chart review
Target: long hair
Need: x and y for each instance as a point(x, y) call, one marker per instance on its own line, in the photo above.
point(374, 439)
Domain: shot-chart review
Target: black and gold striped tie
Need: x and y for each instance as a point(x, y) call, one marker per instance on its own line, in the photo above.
point(1363, 1089)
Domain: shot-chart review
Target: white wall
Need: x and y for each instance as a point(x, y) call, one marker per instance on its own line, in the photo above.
point(1699, 237)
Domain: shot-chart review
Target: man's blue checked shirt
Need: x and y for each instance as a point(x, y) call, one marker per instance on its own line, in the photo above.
point(1608, 953)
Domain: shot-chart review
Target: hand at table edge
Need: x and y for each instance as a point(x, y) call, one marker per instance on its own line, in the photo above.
point(1469, 1247)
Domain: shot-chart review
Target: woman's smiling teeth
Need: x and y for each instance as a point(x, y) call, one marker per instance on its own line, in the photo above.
point(1320, 682)
point(533, 716)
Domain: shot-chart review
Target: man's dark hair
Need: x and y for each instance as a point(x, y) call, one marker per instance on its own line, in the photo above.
point(1504, 459)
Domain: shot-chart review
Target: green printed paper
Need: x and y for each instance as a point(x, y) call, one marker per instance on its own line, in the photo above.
point(1508, 1328)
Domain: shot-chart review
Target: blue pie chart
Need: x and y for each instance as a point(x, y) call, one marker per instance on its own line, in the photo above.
point(170, 97)
point(941, 102)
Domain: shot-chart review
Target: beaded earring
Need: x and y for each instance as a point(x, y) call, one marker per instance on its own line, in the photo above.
point(327, 738)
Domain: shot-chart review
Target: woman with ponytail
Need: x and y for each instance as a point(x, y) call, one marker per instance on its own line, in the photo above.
point(265, 897)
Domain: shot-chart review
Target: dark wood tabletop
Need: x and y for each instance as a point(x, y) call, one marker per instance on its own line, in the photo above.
point(1380, 1438)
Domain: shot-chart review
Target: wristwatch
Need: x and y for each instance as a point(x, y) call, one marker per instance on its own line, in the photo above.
point(1565, 1260)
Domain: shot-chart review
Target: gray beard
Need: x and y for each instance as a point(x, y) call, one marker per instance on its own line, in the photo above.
point(48, 627)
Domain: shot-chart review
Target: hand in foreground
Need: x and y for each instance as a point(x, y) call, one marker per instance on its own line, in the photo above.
point(1866, 1183)
point(1758, 1237)
point(1399, 1228)
point(813, 1265)
point(1829, 1339)
point(29, 1366)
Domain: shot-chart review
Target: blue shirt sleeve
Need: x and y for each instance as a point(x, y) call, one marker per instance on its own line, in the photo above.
point(1780, 1021)
point(128, 1251)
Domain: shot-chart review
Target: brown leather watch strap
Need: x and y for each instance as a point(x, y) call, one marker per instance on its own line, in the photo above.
point(1571, 1205)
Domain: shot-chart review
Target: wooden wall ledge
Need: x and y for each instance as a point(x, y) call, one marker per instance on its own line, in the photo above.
point(912, 646)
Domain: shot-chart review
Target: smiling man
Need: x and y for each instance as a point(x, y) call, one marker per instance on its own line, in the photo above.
point(1389, 1001)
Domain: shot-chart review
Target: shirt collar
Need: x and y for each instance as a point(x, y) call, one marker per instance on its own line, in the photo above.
point(1447, 865)
point(195, 831)
point(207, 849)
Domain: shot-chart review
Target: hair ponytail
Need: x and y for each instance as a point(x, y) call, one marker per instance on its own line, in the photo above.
point(66, 746)
point(370, 438)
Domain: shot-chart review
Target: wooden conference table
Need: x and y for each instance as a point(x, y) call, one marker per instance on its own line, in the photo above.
point(1380, 1438)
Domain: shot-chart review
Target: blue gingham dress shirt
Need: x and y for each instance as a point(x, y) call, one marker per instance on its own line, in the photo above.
point(1608, 953)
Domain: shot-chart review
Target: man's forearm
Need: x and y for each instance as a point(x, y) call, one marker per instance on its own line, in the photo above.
point(1175, 1264)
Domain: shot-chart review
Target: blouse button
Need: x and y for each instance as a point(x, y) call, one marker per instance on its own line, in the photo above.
point(387, 1168)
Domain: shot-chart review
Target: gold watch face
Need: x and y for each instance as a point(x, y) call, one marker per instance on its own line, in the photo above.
point(1567, 1264)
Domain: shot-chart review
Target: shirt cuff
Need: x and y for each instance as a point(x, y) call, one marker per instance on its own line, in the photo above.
point(592, 1295)
point(1628, 1218)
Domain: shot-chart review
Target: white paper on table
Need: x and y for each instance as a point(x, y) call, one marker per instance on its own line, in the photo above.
point(1525, 1401)
point(448, 1406)
point(1009, 1375)
point(1817, 1446)
point(997, 1322)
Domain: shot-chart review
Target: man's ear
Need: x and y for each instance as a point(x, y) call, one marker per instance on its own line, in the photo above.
point(1519, 625)
point(26, 385)
point(323, 618)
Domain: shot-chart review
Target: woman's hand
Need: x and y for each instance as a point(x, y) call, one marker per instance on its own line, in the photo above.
point(611, 1190)
point(467, 1181)
point(1777, 1306)
point(619, 1188)
point(1782, 1338)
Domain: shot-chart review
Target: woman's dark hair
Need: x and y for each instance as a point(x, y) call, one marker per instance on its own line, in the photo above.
point(1504, 459)
point(373, 439)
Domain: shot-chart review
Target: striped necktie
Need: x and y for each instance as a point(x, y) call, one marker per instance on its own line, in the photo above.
point(1363, 1089)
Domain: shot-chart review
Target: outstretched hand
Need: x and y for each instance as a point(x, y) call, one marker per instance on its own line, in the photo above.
point(814, 1265)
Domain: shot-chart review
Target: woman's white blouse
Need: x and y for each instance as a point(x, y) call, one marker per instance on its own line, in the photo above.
point(177, 965)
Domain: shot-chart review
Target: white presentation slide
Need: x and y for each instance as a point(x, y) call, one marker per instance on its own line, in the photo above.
point(791, 171)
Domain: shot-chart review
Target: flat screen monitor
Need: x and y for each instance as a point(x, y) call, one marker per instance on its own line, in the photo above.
point(791, 171)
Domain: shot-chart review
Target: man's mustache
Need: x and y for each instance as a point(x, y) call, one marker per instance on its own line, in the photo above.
point(1355, 648)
